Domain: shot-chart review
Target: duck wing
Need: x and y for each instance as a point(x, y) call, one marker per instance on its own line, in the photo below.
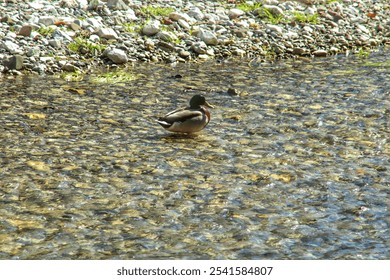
point(181, 115)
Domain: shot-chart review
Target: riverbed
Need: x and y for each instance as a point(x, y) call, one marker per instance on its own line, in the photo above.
point(293, 165)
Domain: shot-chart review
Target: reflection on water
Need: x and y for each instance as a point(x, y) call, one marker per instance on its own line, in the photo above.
point(293, 165)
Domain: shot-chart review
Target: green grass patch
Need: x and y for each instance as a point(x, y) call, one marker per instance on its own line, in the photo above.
point(245, 7)
point(270, 17)
point(302, 17)
point(114, 77)
point(132, 27)
point(362, 53)
point(72, 76)
point(157, 11)
point(45, 31)
point(84, 46)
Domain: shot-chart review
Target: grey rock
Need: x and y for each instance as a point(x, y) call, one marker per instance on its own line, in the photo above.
point(199, 47)
point(299, 51)
point(107, 33)
point(196, 13)
point(208, 37)
point(151, 28)
point(275, 28)
point(34, 51)
point(117, 5)
point(10, 47)
point(94, 23)
point(184, 54)
point(55, 43)
point(274, 10)
point(320, 53)
point(166, 36)
point(184, 24)
point(235, 13)
point(47, 20)
point(61, 35)
point(117, 56)
point(70, 67)
point(14, 62)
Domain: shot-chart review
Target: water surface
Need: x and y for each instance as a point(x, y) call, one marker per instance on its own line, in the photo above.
point(295, 166)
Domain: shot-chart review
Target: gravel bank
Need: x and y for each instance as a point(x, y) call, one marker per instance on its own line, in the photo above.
point(48, 37)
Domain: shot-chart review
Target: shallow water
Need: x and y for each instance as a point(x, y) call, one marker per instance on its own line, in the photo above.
point(296, 166)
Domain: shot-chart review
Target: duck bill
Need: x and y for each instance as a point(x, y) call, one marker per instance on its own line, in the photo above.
point(208, 105)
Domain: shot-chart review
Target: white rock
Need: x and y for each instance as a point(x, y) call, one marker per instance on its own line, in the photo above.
point(94, 23)
point(235, 13)
point(116, 5)
point(176, 16)
point(107, 33)
point(10, 47)
point(94, 38)
point(196, 13)
point(363, 28)
point(320, 53)
point(55, 43)
point(47, 20)
point(166, 36)
point(117, 56)
point(151, 28)
point(184, 24)
point(208, 37)
point(275, 28)
point(130, 15)
point(61, 35)
point(275, 10)
point(199, 47)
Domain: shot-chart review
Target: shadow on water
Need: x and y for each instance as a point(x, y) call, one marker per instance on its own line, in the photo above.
point(293, 165)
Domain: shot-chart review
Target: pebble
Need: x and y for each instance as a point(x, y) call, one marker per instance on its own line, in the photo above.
point(235, 13)
point(208, 37)
point(14, 62)
point(117, 56)
point(151, 28)
point(194, 30)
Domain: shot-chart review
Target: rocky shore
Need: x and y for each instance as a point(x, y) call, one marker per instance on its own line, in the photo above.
point(49, 37)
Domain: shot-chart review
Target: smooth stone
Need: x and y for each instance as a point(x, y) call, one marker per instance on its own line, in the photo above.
point(55, 43)
point(25, 30)
point(117, 5)
point(117, 56)
point(275, 28)
point(130, 15)
point(34, 51)
point(235, 13)
point(196, 13)
point(151, 28)
point(94, 23)
point(184, 54)
point(274, 10)
point(107, 33)
point(208, 37)
point(184, 24)
point(363, 28)
point(14, 62)
point(10, 47)
point(166, 36)
point(299, 51)
point(199, 47)
point(320, 53)
point(62, 35)
point(70, 68)
point(176, 16)
point(47, 20)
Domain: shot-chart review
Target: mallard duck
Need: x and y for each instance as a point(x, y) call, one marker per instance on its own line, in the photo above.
point(188, 120)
